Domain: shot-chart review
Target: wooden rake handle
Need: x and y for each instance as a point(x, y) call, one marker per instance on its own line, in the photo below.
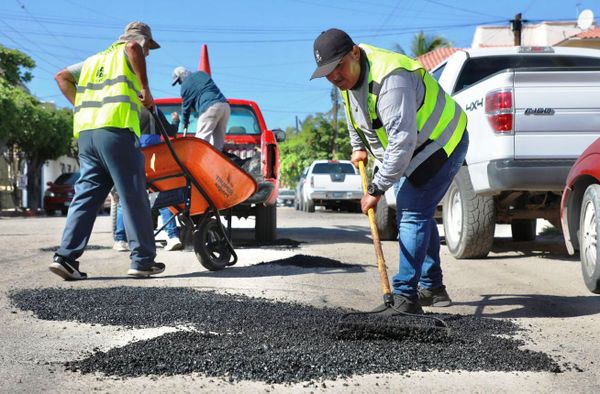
point(383, 276)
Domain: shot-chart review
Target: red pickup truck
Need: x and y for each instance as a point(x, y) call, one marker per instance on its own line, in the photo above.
point(248, 138)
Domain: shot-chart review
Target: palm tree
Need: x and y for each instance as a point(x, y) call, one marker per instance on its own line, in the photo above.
point(422, 44)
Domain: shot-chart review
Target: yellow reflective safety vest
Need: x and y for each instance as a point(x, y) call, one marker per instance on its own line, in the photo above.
point(441, 122)
point(107, 93)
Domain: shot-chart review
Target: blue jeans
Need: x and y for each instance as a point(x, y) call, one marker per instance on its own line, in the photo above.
point(418, 234)
point(108, 157)
point(171, 228)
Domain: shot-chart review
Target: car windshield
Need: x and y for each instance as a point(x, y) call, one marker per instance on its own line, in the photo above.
point(333, 168)
point(242, 121)
point(68, 178)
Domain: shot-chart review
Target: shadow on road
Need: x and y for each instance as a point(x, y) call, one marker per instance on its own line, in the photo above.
point(299, 264)
point(543, 247)
point(535, 305)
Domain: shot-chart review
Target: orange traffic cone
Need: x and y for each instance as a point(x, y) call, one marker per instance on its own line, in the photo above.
point(204, 64)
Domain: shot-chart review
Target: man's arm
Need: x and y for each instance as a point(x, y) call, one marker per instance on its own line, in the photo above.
point(67, 84)
point(135, 54)
point(187, 104)
point(397, 107)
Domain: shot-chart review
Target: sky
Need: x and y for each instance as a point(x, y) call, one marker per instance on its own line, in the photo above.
point(259, 50)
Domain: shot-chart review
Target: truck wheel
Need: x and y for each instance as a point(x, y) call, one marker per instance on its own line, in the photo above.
point(589, 225)
point(469, 219)
point(385, 218)
point(523, 230)
point(310, 205)
point(211, 246)
point(266, 223)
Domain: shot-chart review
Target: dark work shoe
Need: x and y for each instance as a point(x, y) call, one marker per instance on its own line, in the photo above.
point(154, 269)
point(66, 268)
point(401, 304)
point(437, 297)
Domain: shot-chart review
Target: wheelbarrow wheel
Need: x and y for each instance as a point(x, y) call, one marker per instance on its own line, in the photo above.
point(211, 246)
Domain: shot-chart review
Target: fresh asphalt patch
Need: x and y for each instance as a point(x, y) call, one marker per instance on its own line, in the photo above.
point(311, 262)
point(235, 337)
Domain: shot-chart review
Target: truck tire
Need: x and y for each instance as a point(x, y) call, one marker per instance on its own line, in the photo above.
point(310, 205)
point(385, 219)
point(469, 219)
point(265, 229)
point(523, 230)
point(589, 224)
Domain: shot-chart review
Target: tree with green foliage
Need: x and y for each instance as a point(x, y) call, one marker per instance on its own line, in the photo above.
point(422, 43)
point(29, 129)
point(313, 142)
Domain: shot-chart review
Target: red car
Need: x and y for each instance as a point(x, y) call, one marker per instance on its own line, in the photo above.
point(59, 194)
point(248, 138)
point(580, 214)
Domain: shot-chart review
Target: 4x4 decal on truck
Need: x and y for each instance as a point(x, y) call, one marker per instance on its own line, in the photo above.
point(474, 105)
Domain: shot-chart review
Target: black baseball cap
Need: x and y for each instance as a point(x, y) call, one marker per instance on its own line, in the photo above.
point(329, 49)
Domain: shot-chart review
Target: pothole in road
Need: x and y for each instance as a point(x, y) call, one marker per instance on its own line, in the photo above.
point(242, 338)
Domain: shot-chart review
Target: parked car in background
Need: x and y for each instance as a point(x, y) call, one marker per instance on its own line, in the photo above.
point(286, 198)
point(59, 194)
point(334, 184)
point(580, 214)
point(298, 200)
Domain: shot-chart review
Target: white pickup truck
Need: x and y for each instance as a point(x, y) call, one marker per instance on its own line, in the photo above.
point(531, 112)
point(332, 184)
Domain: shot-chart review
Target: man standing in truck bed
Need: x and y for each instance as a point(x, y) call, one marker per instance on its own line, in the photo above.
point(399, 113)
point(201, 94)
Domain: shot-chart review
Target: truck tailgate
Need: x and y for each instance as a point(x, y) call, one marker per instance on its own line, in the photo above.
point(557, 113)
point(336, 182)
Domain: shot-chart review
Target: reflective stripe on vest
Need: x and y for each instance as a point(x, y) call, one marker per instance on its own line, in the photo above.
point(107, 93)
point(440, 120)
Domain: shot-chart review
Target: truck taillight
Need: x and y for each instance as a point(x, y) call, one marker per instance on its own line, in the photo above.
point(499, 110)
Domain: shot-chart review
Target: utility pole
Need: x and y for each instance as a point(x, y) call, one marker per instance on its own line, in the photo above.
point(516, 26)
point(334, 98)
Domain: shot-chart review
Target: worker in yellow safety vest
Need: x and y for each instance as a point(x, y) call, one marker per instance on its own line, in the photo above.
point(108, 90)
point(399, 113)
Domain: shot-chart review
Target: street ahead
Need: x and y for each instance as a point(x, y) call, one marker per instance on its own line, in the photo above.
point(147, 330)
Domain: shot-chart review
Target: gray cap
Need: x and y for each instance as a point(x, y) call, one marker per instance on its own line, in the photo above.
point(139, 32)
point(179, 75)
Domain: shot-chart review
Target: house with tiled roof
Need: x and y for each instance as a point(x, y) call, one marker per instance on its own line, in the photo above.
point(566, 33)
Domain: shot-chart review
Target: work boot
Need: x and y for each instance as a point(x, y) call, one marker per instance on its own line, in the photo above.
point(401, 304)
point(437, 297)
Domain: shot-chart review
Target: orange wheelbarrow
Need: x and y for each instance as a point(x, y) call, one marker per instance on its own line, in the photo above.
point(196, 182)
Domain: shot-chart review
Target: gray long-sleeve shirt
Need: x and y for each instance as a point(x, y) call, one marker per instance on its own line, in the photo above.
point(401, 94)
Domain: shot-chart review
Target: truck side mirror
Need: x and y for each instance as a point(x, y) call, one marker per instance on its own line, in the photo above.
point(279, 135)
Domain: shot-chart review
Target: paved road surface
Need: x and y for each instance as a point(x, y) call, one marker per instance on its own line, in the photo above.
point(537, 284)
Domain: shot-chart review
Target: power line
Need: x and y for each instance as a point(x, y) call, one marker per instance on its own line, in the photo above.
point(43, 26)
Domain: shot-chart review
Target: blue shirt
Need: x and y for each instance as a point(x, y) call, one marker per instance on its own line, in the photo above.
point(198, 92)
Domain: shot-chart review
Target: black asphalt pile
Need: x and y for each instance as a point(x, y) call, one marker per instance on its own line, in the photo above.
point(306, 261)
point(240, 338)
